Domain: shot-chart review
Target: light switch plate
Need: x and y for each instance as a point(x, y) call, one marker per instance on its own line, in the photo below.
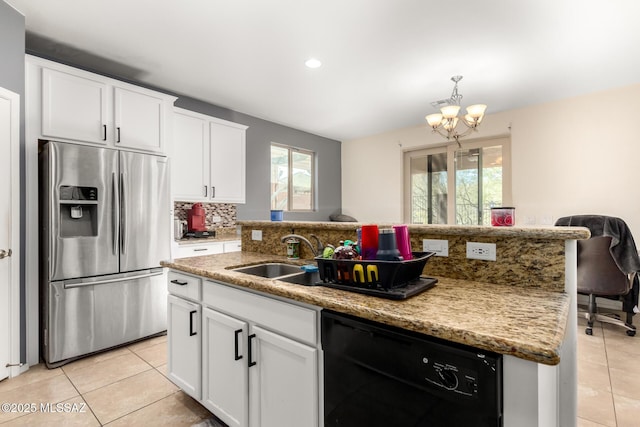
point(256, 234)
point(440, 247)
point(484, 251)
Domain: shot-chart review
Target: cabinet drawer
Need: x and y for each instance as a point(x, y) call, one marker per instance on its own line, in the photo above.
point(186, 251)
point(287, 319)
point(234, 246)
point(185, 285)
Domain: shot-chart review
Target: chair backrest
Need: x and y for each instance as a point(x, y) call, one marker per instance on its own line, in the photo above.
point(598, 273)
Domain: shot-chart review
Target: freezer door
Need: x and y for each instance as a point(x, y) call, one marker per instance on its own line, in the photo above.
point(86, 315)
point(80, 210)
point(144, 211)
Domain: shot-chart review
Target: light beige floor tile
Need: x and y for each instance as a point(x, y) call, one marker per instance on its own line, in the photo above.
point(624, 384)
point(592, 349)
point(50, 390)
point(128, 395)
point(34, 374)
point(596, 405)
point(155, 355)
point(107, 371)
point(100, 357)
point(593, 375)
point(73, 412)
point(627, 411)
point(619, 358)
point(147, 343)
point(163, 369)
point(178, 409)
point(586, 423)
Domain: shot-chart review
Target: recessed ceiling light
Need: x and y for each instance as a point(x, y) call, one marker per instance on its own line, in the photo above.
point(313, 63)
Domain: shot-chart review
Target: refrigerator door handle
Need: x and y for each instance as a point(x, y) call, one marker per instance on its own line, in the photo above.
point(123, 215)
point(114, 213)
point(119, 279)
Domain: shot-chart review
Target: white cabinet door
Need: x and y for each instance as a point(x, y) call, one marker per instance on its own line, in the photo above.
point(73, 107)
point(284, 381)
point(225, 388)
point(138, 120)
point(184, 345)
point(190, 160)
point(227, 163)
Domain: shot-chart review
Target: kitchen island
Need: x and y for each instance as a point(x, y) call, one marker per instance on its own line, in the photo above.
point(527, 315)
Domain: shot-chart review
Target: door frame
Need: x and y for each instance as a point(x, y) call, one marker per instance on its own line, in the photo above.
point(14, 242)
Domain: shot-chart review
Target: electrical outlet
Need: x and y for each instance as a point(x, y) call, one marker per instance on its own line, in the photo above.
point(256, 234)
point(484, 251)
point(216, 218)
point(440, 247)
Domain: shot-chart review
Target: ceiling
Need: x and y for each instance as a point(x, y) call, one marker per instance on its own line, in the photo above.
point(384, 61)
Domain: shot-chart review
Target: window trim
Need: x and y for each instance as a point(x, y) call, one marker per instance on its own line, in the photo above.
point(450, 149)
point(314, 182)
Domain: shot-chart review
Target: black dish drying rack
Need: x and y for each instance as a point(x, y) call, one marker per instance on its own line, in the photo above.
point(386, 279)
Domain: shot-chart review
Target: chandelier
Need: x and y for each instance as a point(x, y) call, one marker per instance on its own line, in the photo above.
point(446, 121)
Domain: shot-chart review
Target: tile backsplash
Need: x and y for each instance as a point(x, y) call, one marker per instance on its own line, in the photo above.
point(226, 212)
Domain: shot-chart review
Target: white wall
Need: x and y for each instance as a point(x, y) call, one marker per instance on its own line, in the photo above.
point(575, 156)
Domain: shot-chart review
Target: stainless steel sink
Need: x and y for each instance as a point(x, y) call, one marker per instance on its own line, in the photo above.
point(307, 279)
point(269, 270)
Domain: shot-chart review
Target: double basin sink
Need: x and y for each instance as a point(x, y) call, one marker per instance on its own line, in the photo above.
point(284, 272)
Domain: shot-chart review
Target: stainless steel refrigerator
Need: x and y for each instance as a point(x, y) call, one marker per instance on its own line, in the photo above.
point(104, 228)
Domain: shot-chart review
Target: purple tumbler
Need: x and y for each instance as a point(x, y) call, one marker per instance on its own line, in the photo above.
point(403, 241)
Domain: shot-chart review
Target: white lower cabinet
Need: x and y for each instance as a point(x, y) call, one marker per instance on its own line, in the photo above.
point(225, 389)
point(184, 345)
point(259, 363)
point(284, 381)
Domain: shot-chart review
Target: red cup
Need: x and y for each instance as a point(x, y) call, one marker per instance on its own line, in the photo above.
point(369, 244)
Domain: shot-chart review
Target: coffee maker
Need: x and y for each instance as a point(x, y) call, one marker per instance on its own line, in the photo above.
point(196, 218)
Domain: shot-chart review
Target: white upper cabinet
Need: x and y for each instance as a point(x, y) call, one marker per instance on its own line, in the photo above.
point(73, 107)
point(87, 108)
point(208, 159)
point(190, 157)
point(227, 156)
point(139, 120)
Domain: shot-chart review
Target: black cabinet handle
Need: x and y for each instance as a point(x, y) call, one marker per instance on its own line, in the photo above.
point(177, 282)
point(237, 334)
point(205, 191)
point(104, 132)
point(191, 332)
point(213, 192)
point(251, 363)
point(118, 129)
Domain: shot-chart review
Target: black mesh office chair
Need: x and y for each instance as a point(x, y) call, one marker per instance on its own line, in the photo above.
point(608, 263)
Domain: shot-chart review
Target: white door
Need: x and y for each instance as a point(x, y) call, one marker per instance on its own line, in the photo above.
point(9, 232)
point(138, 120)
point(225, 385)
point(184, 346)
point(190, 160)
point(283, 382)
point(227, 163)
point(74, 107)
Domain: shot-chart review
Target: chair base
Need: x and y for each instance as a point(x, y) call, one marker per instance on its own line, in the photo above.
point(592, 315)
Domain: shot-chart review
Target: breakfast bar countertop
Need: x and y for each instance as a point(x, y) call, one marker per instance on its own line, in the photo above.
point(528, 323)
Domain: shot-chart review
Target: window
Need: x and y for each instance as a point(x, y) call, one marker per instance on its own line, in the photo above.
point(478, 176)
point(292, 178)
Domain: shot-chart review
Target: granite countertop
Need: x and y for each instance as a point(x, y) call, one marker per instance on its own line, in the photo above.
point(532, 232)
point(526, 323)
point(212, 239)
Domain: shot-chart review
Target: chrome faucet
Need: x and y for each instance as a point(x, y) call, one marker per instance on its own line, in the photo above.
point(314, 250)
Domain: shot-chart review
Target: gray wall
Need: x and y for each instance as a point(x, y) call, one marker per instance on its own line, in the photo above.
point(260, 135)
point(12, 36)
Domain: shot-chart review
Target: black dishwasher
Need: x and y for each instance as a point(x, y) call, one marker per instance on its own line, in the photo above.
point(376, 375)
